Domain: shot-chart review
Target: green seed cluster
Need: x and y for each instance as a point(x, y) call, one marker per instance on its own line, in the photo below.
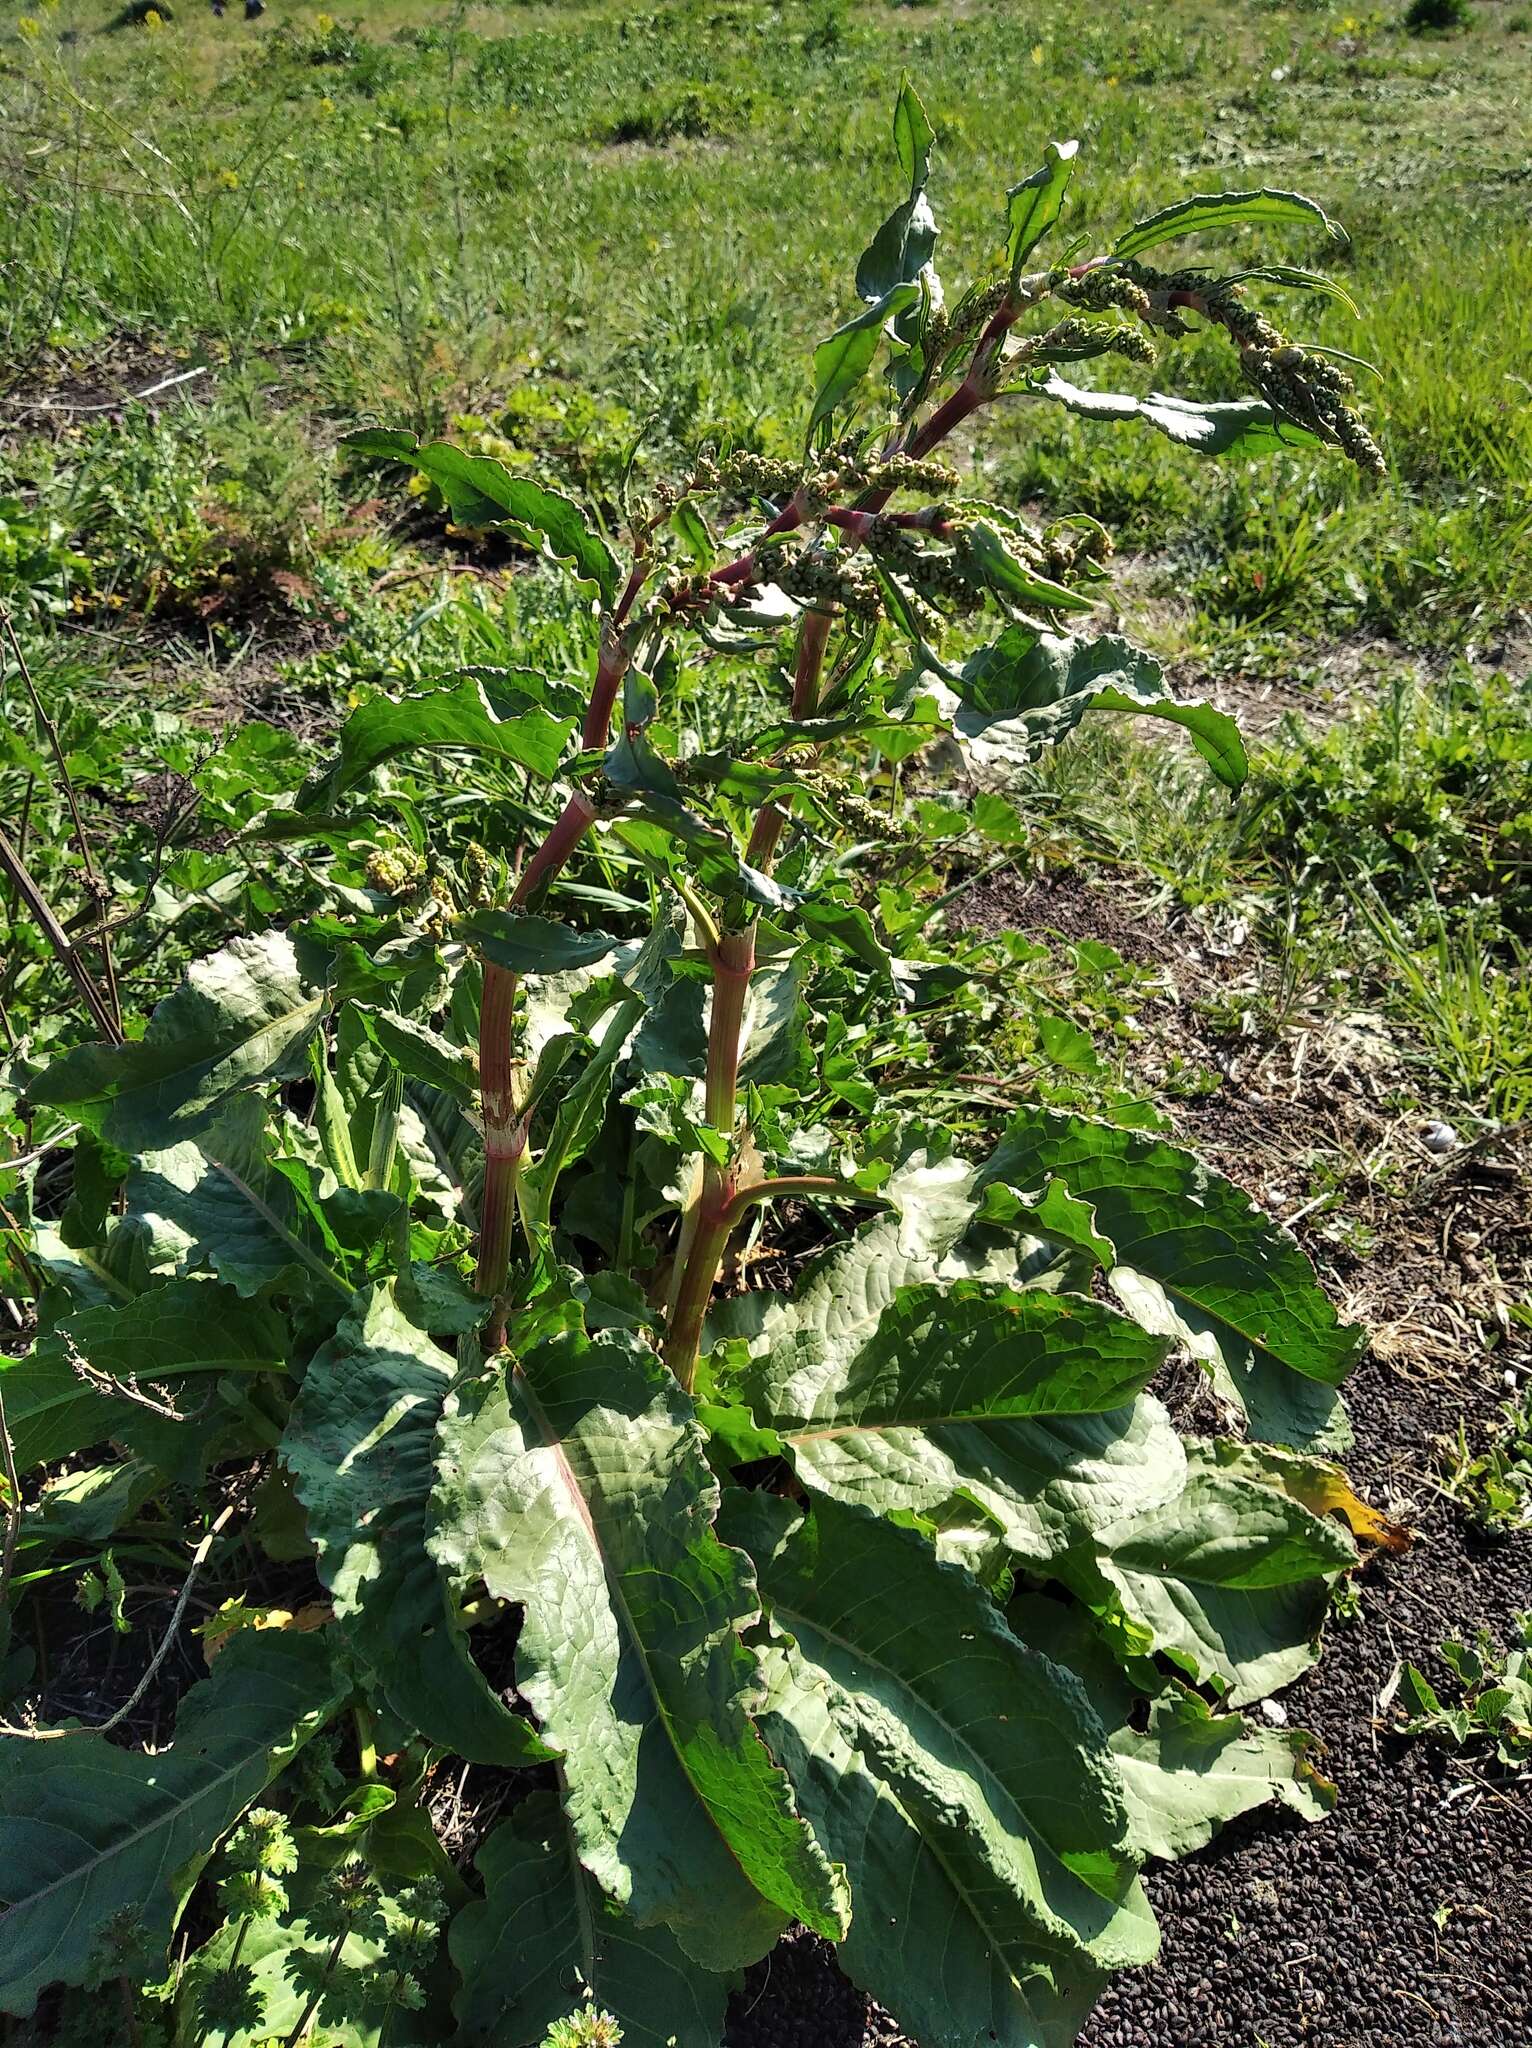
point(1300, 383)
point(1315, 392)
point(396, 871)
point(1096, 335)
point(753, 475)
point(906, 473)
point(1068, 549)
point(819, 579)
point(945, 333)
point(1100, 290)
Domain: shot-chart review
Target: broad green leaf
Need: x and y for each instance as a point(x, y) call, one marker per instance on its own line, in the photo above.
point(482, 492)
point(904, 245)
point(917, 1945)
point(1010, 578)
point(527, 944)
point(1027, 690)
point(992, 1751)
point(914, 136)
point(219, 1202)
point(1185, 1769)
point(1238, 426)
point(190, 1329)
point(1035, 204)
point(1018, 1401)
point(1043, 1475)
point(1196, 1260)
point(515, 730)
point(87, 1829)
point(240, 1017)
point(843, 360)
point(1195, 216)
point(360, 1445)
point(425, 1055)
point(576, 1485)
point(1230, 1579)
point(544, 1937)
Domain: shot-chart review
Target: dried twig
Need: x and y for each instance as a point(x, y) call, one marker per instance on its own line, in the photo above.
point(96, 888)
point(183, 1598)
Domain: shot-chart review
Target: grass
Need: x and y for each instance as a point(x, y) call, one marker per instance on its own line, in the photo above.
point(560, 231)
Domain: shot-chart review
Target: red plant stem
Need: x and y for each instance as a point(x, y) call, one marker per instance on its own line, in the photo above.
point(710, 1222)
point(505, 1129)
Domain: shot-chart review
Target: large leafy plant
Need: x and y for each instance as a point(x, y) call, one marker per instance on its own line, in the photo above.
point(674, 1419)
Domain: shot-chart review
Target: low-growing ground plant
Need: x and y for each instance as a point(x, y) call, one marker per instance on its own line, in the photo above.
point(522, 1233)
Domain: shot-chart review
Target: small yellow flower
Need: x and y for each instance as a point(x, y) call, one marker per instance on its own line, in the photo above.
point(1037, 53)
point(327, 105)
point(229, 180)
point(324, 23)
point(154, 22)
point(29, 27)
point(1112, 78)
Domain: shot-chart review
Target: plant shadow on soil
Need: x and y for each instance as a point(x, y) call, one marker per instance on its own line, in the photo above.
point(1404, 1920)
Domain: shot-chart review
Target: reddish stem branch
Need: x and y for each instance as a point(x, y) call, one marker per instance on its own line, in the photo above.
point(706, 1230)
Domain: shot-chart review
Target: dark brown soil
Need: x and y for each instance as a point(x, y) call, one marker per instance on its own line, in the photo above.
point(1405, 1919)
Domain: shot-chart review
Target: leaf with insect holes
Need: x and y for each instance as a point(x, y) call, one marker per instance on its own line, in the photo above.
point(1236, 427)
point(88, 1830)
point(843, 360)
point(242, 1016)
point(992, 1752)
point(575, 1485)
point(1035, 204)
point(1193, 1258)
point(482, 492)
point(1199, 215)
point(360, 1444)
point(506, 722)
point(543, 1931)
point(1027, 689)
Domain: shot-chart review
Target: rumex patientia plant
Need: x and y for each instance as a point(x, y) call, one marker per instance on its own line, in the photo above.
point(888, 1600)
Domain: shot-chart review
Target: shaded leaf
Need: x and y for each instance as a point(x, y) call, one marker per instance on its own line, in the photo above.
point(527, 944)
point(188, 1329)
point(1196, 1260)
point(543, 1937)
point(1230, 1579)
point(992, 1751)
point(515, 730)
point(87, 1829)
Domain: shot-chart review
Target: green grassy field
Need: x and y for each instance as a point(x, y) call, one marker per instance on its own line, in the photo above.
point(559, 232)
